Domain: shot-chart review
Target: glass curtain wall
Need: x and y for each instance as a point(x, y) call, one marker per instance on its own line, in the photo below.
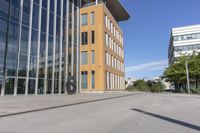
point(38, 45)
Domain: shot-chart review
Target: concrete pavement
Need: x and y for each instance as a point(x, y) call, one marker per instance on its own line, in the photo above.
point(11, 105)
point(141, 113)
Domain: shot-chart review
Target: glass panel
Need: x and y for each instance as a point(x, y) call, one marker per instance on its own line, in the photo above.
point(58, 7)
point(84, 38)
point(51, 20)
point(36, 1)
point(50, 58)
point(35, 16)
point(9, 86)
point(33, 66)
point(40, 86)
point(31, 86)
point(84, 77)
point(23, 52)
point(58, 27)
point(4, 9)
point(84, 19)
point(93, 80)
point(84, 57)
point(92, 18)
point(3, 27)
point(33, 58)
point(42, 58)
point(12, 49)
point(15, 10)
point(93, 37)
point(21, 86)
point(56, 82)
point(22, 66)
point(49, 84)
point(1, 79)
point(44, 20)
point(44, 4)
point(26, 12)
point(93, 57)
point(52, 5)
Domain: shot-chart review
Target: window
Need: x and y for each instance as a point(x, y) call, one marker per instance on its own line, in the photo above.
point(84, 38)
point(92, 18)
point(84, 82)
point(93, 57)
point(198, 35)
point(84, 19)
point(84, 55)
point(106, 21)
point(106, 58)
point(93, 37)
point(93, 79)
point(107, 40)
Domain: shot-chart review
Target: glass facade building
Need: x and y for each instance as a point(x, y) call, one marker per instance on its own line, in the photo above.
point(39, 46)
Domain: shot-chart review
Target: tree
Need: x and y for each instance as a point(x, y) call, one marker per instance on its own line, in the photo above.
point(195, 68)
point(176, 73)
point(141, 85)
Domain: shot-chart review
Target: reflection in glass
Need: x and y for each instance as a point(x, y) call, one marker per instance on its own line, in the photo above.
point(49, 86)
point(56, 82)
point(4, 9)
point(23, 52)
point(26, 12)
point(1, 79)
point(51, 16)
point(41, 86)
point(33, 54)
point(12, 49)
point(3, 27)
point(35, 16)
point(15, 10)
point(44, 20)
point(21, 86)
point(31, 86)
point(42, 56)
point(9, 86)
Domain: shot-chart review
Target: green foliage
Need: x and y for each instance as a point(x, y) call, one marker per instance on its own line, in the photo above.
point(141, 85)
point(176, 73)
point(147, 86)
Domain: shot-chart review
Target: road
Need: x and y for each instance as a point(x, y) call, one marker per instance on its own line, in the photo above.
point(141, 113)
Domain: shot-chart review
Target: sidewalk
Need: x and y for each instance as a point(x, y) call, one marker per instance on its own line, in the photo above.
point(12, 105)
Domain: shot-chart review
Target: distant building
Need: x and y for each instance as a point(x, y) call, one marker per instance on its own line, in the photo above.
point(129, 82)
point(168, 85)
point(183, 40)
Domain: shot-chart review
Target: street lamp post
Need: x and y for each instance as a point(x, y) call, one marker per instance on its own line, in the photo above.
point(187, 75)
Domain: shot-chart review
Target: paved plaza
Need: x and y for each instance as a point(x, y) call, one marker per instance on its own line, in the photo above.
point(101, 113)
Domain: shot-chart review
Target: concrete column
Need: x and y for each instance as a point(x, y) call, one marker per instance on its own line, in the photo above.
point(61, 50)
point(19, 47)
point(54, 45)
point(46, 48)
point(38, 52)
point(29, 45)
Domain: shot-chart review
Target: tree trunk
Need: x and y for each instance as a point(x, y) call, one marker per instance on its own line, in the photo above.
point(197, 87)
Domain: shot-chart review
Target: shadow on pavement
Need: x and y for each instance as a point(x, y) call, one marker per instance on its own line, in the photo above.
point(182, 123)
point(70, 104)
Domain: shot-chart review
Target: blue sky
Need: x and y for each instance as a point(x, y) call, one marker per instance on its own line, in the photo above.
point(147, 33)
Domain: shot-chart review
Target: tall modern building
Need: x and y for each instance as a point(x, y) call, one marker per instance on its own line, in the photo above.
point(101, 46)
point(183, 40)
point(39, 46)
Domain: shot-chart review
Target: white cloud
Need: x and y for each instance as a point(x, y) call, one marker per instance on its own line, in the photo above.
point(156, 65)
